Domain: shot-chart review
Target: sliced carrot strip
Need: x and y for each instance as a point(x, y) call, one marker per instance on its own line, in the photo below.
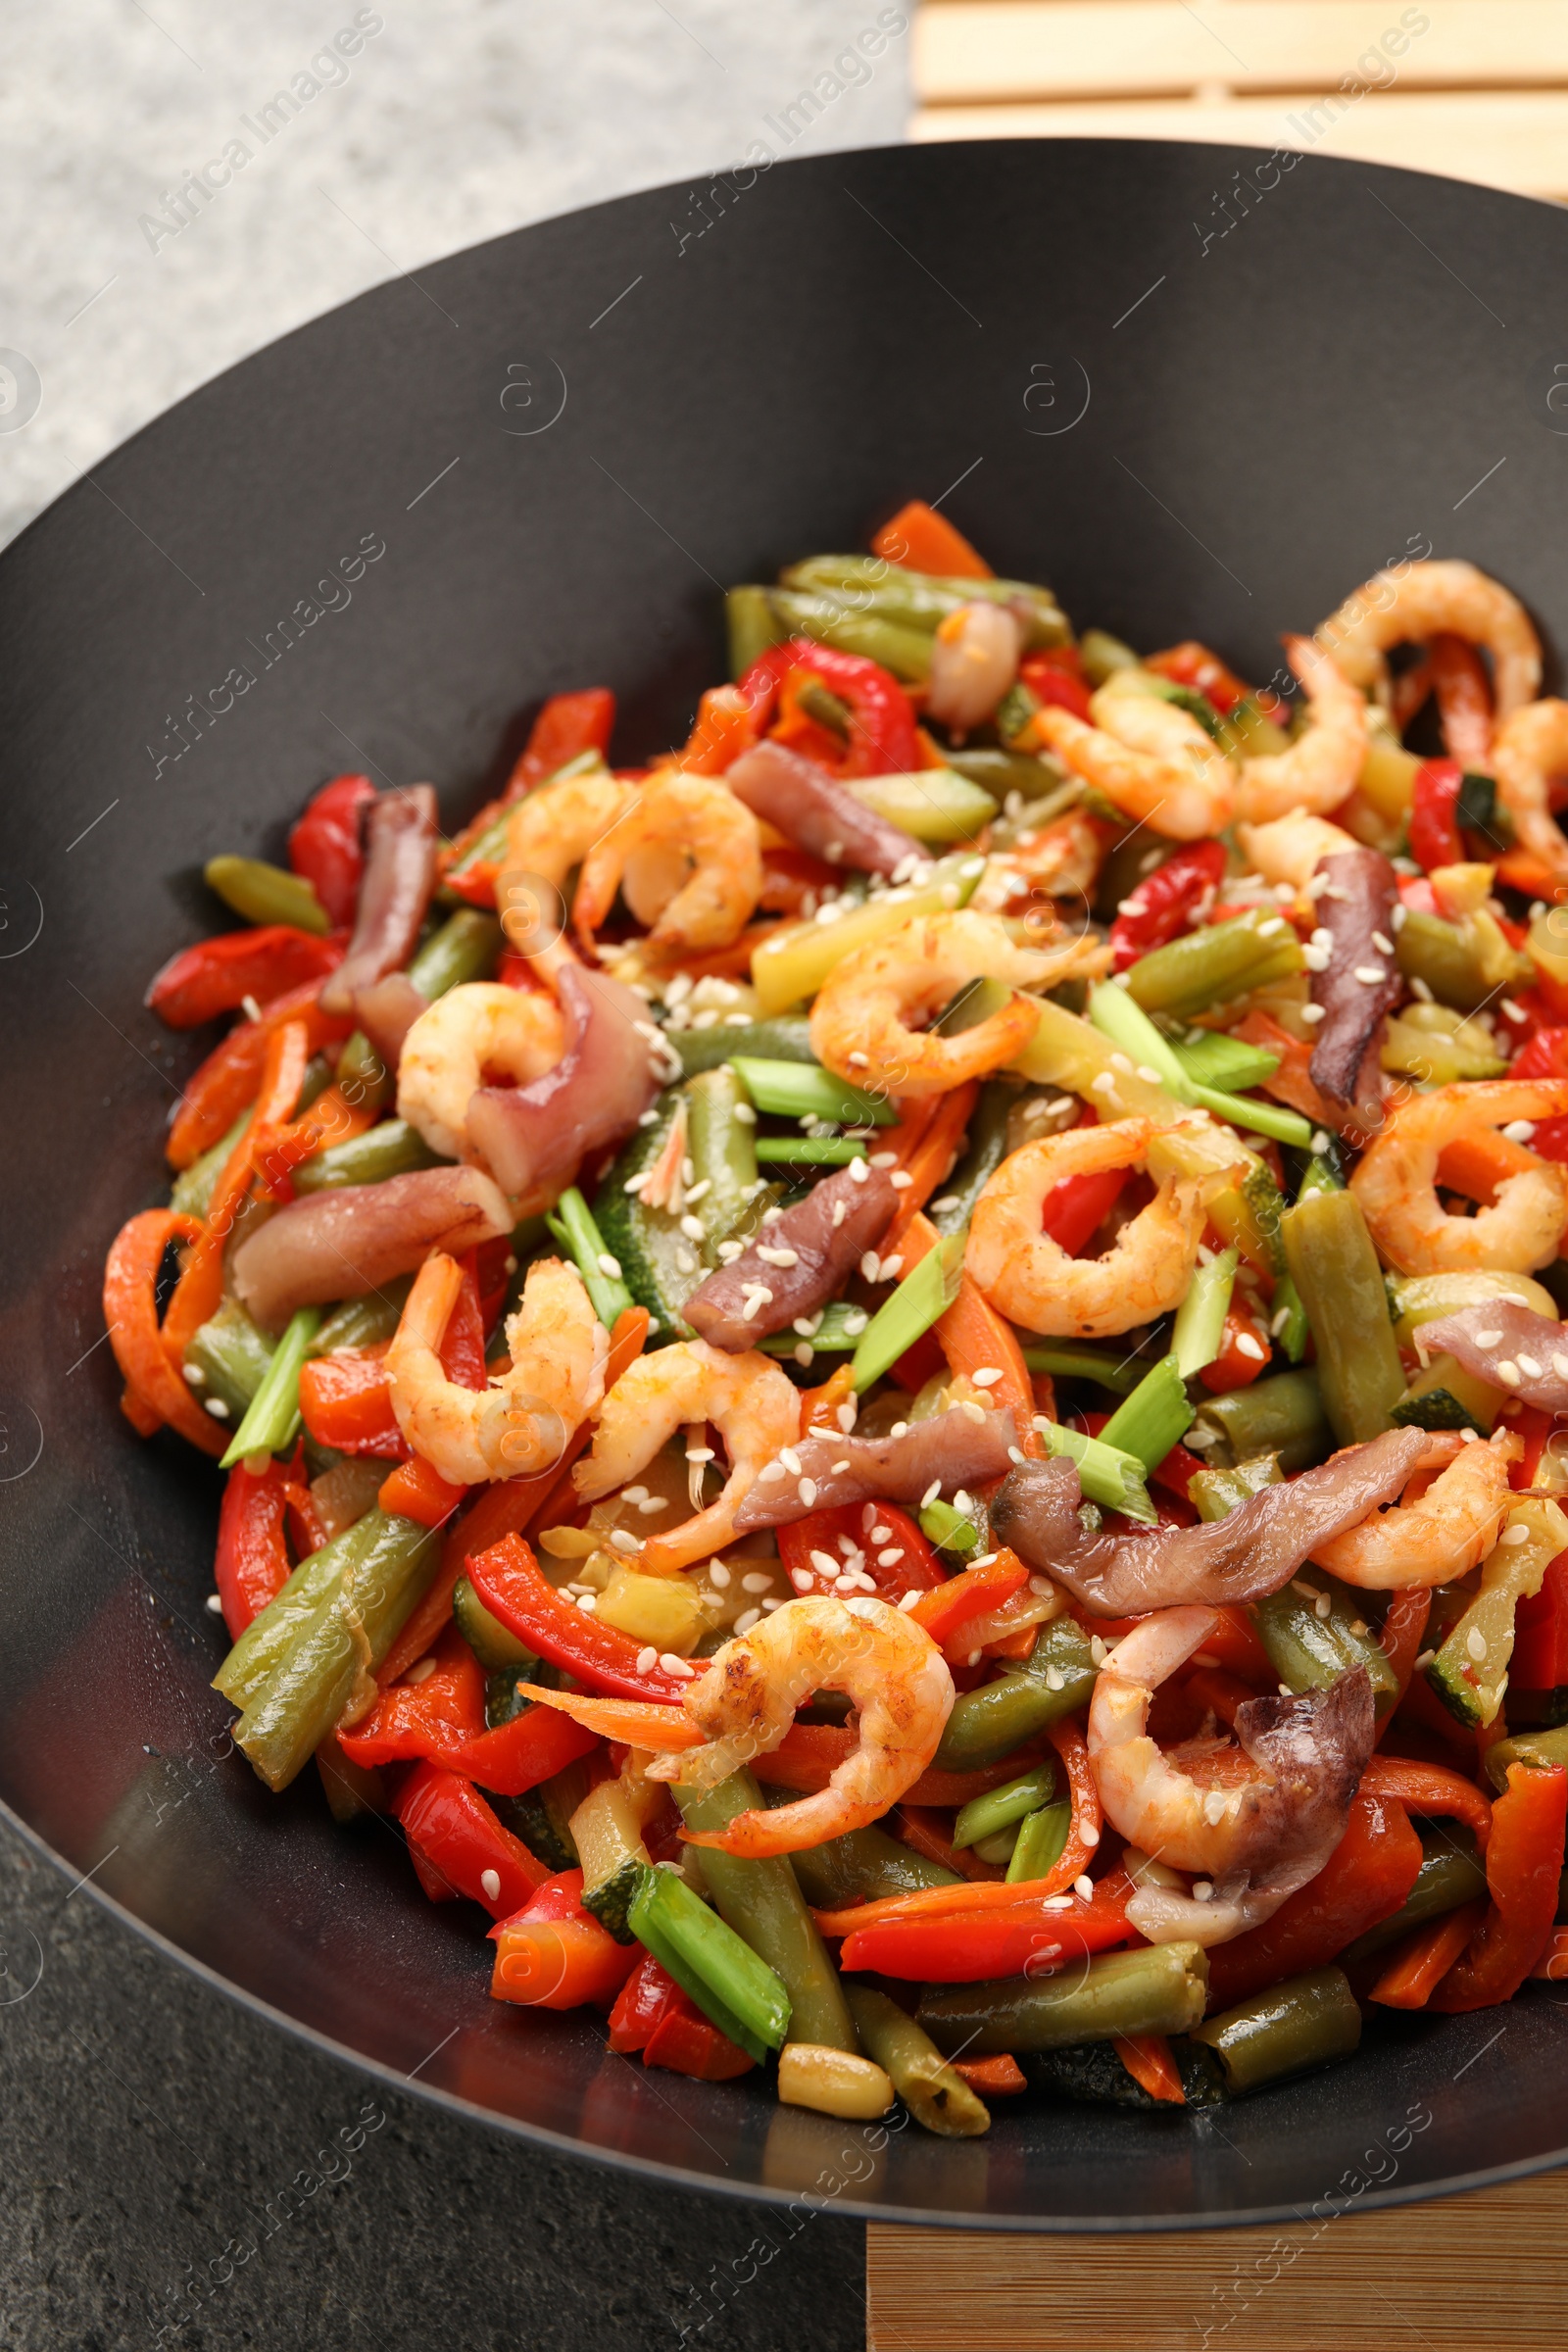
point(1147, 2059)
point(920, 539)
point(1425, 1958)
point(1430, 1788)
point(635, 1722)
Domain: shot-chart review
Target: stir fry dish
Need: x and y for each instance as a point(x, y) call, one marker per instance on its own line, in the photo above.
point(892, 1382)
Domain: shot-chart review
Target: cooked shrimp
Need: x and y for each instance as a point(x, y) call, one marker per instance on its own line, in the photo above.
point(1407, 608)
point(520, 1425)
point(1440, 1534)
point(1256, 1816)
point(1031, 1279)
point(1320, 769)
point(889, 1666)
point(1061, 859)
point(473, 1036)
point(1395, 1181)
point(555, 828)
point(1152, 758)
point(688, 855)
point(1288, 849)
point(862, 1020)
point(975, 660)
point(1530, 750)
point(749, 1402)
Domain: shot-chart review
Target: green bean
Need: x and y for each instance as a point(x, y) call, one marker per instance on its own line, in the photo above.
point(1158, 1990)
point(1002, 1808)
point(1450, 1874)
point(825, 706)
point(464, 948)
point(1041, 1844)
point(763, 1903)
point(730, 1983)
point(722, 1150)
point(365, 1079)
point(752, 625)
point(365, 1322)
point(999, 1848)
point(791, 1090)
point(1224, 960)
point(372, 1595)
point(1121, 1375)
point(1333, 1265)
point(905, 651)
point(193, 1186)
point(862, 1867)
point(983, 1153)
point(1310, 1646)
point(271, 1633)
point(265, 894)
point(787, 1038)
point(231, 1356)
point(806, 1150)
point(1156, 1415)
point(1306, 2022)
point(923, 1295)
point(392, 1148)
point(1105, 1472)
point(923, 599)
point(272, 1416)
point(1055, 1681)
point(1289, 1323)
point(1282, 1416)
point(574, 1227)
point(1103, 655)
point(1325, 1170)
point(1000, 772)
point(1213, 1492)
point(933, 2093)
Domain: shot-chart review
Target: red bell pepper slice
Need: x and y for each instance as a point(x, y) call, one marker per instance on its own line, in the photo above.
point(461, 1839)
point(435, 1719)
point(1166, 902)
point(1435, 835)
point(882, 732)
point(345, 1403)
point(1423, 1958)
point(690, 2044)
point(1078, 1205)
point(252, 1565)
point(1236, 1366)
point(1540, 1660)
point(508, 1581)
point(216, 975)
point(231, 1075)
point(1365, 1880)
point(997, 2078)
point(971, 1948)
point(1523, 1864)
point(1430, 1788)
point(1147, 2059)
point(917, 1568)
point(643, 2000)
point(327, 846)
point(415, 1490)
point(1049, 680)
point(1545, 1056)
point(942, 1610)
point(517, 1755)
point(553, 1954)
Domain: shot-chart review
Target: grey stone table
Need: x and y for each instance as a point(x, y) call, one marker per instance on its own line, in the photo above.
point(146, 2121)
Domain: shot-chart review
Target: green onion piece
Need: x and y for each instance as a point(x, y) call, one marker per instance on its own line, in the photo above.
point(273, 1414)
point(1113, 1013)
point(919, 1299)
point(1105, 1474)
point(1290, 1325)
point(193, 1187)
point(1263, 1119)
point(1201, 1317)
point(1042, 1842)
point(265, 894)
point(799, 1090)
point(837, 1334)
point(729, 1981)
point(810, 1151)
point(574, 1229)
point(949, 1529)
point(1000, 1808)
point(1119, 1374)
point(1211, 1058)
point(1148, 1423)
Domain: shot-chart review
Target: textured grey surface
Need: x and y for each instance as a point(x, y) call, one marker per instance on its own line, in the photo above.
point(145, 2122)
point(448, 126)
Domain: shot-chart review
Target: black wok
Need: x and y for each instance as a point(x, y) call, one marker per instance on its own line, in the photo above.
point(550, 454)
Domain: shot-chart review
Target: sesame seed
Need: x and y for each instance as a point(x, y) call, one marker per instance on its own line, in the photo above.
point(859, 1171)
point(899, 1429)
point(651, 1503)
point(757, 1580)
point(1529, 1367)
point(1313, 1014)
point(1149, 1077)
point(695, 1192)
point(1084, 1887)
point(804, 1354)
point(805, 1488)
point(971, 1410)
point(1104, 1084)
point(1015, 1454)
point(1089, 1834)
point(824, 1563)
point(1475, 1643)
point(840, 1210)
point(490, 1881)
point(837, 1469)
point(1056, 1680)
point(1559, 1365)
point(195, 1374)
point(931, 1494)
point(891, 1268)
point(870, 1266)
point(802, 1579)
point(987, 1377)
point(1369, 974)
point(1488, 1339)
point(693, 1228)
point(900, 1180)
point(587, 1602)
point(846, 1417)
point(622, 1542)
point(757, 1295)
point(790, 1459)
point(777, 1257)
point(705, 1453)
point(1323, 1607)
point(908, 1600)
point(855, 1323)
point(860, 1061)
point(215, 1604)
point(216, 1406)
point(744, 1115)
point(684, 1262)
point(1379, 940)
point(746, 1620)
point(1214, 1807)
point(1515, 1535)
point(1202, 1891)
point(610, 1266)
point(1510, 1372)
point(681, 1668)
point(1520, 1131)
